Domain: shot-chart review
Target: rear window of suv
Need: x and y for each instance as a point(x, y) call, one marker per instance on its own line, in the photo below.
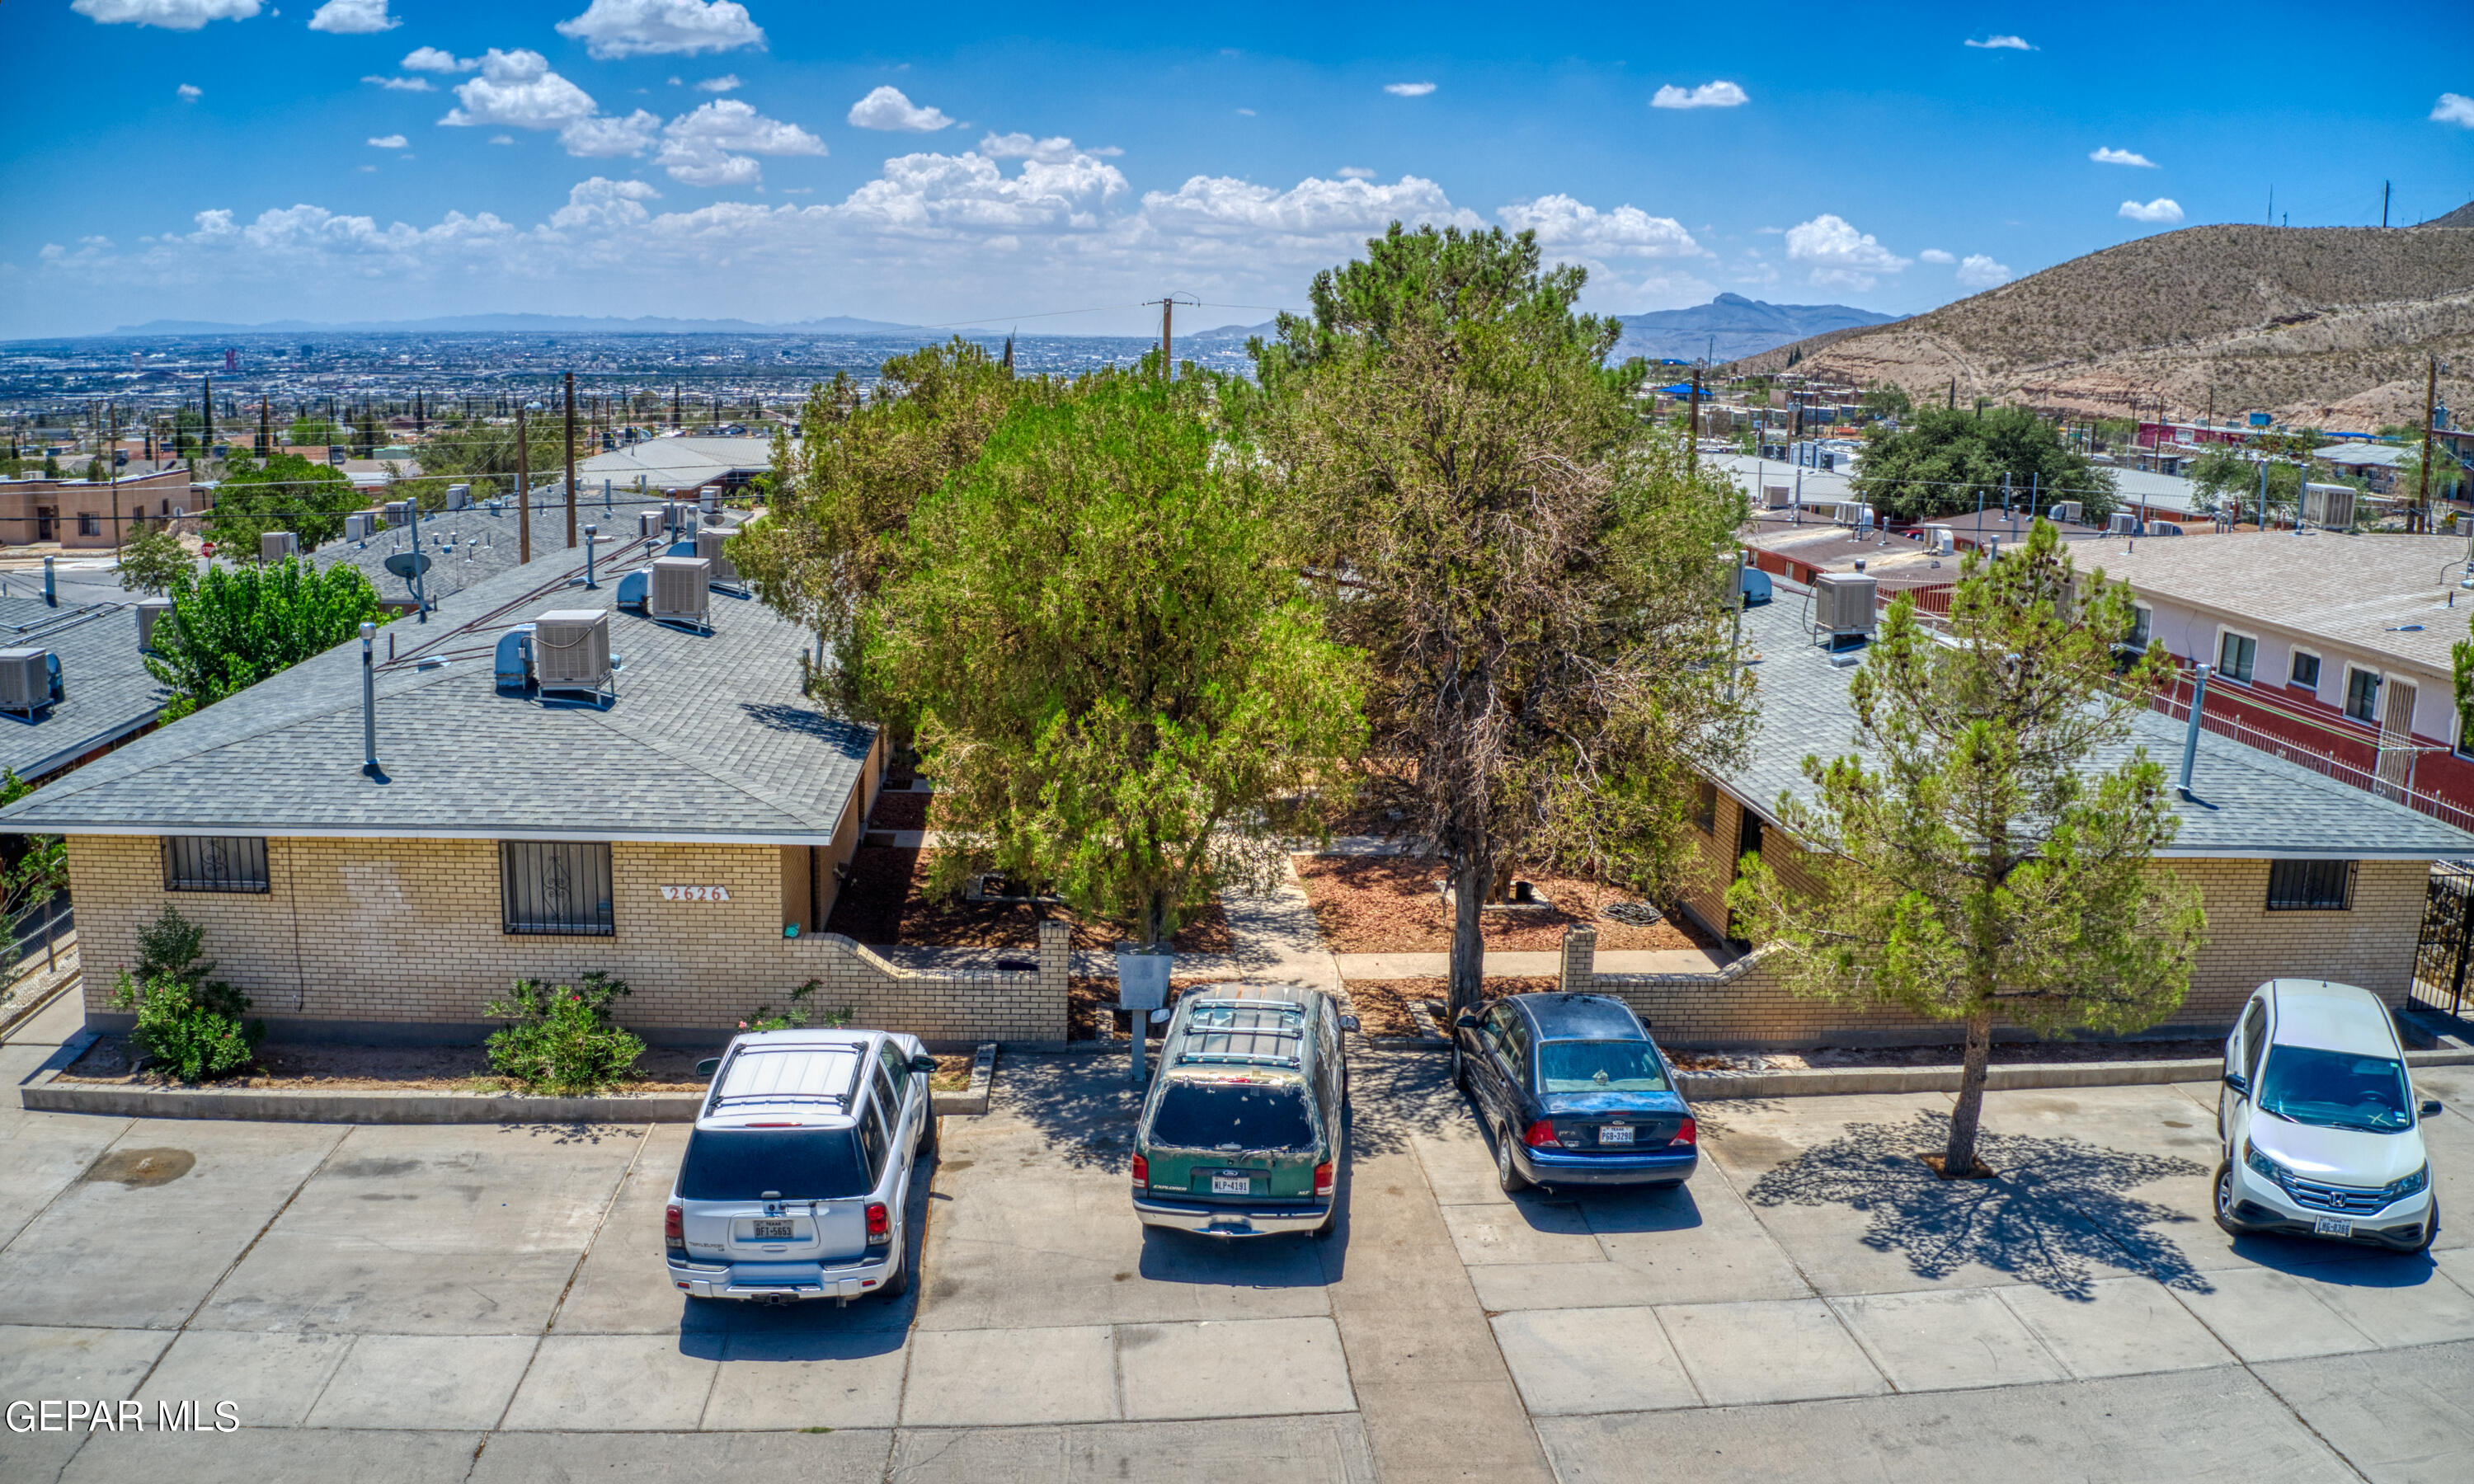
point(1233, 1115)
point(800, 1164)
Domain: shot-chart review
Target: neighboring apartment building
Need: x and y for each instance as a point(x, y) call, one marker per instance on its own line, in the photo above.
point(479, 542)
point(2301, 875)
point(106, 695)
point(688, 831)
point(84, 516)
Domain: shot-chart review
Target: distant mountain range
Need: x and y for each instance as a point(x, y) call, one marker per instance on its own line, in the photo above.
point(1743, 326)
point(528, 324)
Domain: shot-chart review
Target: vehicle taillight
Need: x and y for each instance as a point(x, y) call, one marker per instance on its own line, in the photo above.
point(674, 1230)
point(880, 1225)
point(1142, 1171)
point(1540, 1135)
point(1324, 1178)
point(1690, 1133)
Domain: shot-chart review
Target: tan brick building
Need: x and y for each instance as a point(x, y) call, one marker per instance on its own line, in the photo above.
point(685, 829)
point(84, 516)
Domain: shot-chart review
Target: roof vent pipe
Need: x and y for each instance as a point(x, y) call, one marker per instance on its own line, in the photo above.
point(50, 593)
point(590, 532)
point(2191, 739)
point(369, 700)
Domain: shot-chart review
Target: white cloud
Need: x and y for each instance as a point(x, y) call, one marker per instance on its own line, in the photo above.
point(1840, 255)
point(2112, 156)
point(603, 203)
point(1244, 113)
point(1708, 95)
point(368, 170)
point(353, 17)
point(388, 142)
point(608, 137)
point(727, 82)
point(1934, 255)
point(517, 89)
point(1568, 229)
point(1355, 172)
point(646, 28)
point(2164, 209)
point(502, 138)
point(2003, 43)
point(170, 14)
point(191, 92)
point(887, 108)
point(2453, 108)
point(1407, 89)
point(712, 146)
point(402, 85)
point(429, 59)
point(944, 195)
point(1019, 146)
point(1980, 272)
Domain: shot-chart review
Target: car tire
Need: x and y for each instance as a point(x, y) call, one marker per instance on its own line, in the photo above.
point(899, 1284)
point(1507, 1169)
point(928, 1135)
point(2221, 1198)
point(1460, 1069)
point(2429, 1230)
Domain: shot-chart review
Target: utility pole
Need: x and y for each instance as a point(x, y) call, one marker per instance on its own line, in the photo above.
point(571, 461)
point(524, 491)
point(2384, 203)
point(1693, 425)
point(2430, 403)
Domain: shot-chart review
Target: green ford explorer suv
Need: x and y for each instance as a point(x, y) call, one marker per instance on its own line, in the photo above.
point(1240, 1132)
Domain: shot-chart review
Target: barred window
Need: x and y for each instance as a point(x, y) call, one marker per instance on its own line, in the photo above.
point(214, 863)
point(2310, 886)
point(555, 886)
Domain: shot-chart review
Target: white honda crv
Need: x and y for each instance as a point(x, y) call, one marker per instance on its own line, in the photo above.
point(2322, 1131)
point(796, 1179)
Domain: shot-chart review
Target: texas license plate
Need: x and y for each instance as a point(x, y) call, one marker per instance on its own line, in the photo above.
point(1615, 1133)
point(773, 1230)
point(1232, 1185)
point(2331, 1225)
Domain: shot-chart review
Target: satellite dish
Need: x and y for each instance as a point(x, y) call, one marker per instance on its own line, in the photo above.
point(408, 564)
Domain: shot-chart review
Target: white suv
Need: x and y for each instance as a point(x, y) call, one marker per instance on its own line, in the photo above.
point(797, 1175)
point(2322, 1131)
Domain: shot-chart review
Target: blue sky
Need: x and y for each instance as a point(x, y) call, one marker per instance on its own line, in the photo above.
point(248, 160)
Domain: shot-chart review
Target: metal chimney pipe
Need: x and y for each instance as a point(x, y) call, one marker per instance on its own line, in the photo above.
point(2191, 739)
point(590, 532)
point(369, 700)
point(51, 595)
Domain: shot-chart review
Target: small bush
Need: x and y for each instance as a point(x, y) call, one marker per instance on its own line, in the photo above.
point(794, 1017)
point(188, 1023)
point(562, 1040)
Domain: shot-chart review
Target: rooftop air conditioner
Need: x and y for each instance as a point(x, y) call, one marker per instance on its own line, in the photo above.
point(648, 524)
point(710, 499)
point(2121, 522)
point(396, 511)
point(30, 679)
point(275, 545)
point(572, 649)
point(682, 590)
point(356, 526)
point(459, 497)
point(1777, 496)
point(150, 612)
point(708, 543)
point(2066, 513)
point(1940, 541)
point(1842, 603)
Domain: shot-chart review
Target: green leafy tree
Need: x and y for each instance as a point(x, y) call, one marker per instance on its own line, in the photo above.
point(1887, 400)
point(840, 497)
point(50, 466)
point(1972, 863)
point(232, 626)
point(1539, 583)
point(287, 492)
point(314, 430)
point(563, 1040)
point(1115, 672)
point(188, 1021)
point(152, 562)
point(34, 869)
point(1943, 462)
point(484, 456)
point(2223, 474)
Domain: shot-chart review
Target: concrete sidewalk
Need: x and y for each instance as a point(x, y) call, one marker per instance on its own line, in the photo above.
point(1546, 963)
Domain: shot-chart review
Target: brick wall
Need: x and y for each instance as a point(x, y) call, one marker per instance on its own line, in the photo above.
point(379, 932)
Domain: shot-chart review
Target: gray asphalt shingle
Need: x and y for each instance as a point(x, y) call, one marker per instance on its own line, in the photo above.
point(105, 690)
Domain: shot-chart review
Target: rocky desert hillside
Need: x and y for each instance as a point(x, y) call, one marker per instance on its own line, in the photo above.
point(2326, 326)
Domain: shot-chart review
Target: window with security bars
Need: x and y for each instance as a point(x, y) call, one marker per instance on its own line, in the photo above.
point(2310, 886)
point(214, 863)
point(555, 886)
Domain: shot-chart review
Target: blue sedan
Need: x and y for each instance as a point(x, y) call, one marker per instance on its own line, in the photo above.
point(1574, 1092)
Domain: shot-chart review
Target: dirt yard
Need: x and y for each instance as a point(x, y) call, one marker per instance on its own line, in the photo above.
point(1383, 1004)
point(340, 1068)
point(1388, 904)
point(883, 902)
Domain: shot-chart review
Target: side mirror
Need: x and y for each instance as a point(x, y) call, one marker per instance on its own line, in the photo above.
point(2239, 1083)
point(707, 1066)
point(2430, 1107)
point(1469, 1022)
point(1349, 1022)
point(924, 1062)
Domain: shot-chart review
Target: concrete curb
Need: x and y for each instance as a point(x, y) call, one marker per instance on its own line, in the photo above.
point(1831, 1081)
point(984, 1072)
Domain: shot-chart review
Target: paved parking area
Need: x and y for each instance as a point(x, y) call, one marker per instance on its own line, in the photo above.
point(484, 1303)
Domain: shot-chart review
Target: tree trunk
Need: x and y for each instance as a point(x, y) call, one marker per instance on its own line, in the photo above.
point(1470, 876)
point(1958, 1159)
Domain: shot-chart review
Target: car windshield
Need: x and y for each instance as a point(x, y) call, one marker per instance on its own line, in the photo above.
point(1599, 1066)
point(2337, 1090)
point(797, 1164)
point(1233, 1115)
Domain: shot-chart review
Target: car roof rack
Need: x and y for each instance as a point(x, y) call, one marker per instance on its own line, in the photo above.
point(1243, 1032)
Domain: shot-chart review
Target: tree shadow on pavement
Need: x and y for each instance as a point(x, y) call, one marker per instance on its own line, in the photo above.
point(2057, 1212)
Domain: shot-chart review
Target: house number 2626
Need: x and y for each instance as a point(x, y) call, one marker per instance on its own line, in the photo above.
point(695, 894)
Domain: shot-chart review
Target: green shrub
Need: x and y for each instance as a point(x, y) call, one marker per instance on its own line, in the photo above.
point(562, 1040)
point(794, 1017)
point(188, 1023)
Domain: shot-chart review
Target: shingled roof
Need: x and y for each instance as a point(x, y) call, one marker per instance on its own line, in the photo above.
point(106, 693)
point(709, 739)
point(2249, 804)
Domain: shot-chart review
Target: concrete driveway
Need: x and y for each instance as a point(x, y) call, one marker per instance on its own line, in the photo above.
point(484, 1303)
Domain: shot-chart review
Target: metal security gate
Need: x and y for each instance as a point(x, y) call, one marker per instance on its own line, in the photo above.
point(2441, 956)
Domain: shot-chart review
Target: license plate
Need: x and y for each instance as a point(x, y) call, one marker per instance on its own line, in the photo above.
point(1615, 1133)
point(773, 1230)
point(2331, 1225)
point(1232, 1185)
